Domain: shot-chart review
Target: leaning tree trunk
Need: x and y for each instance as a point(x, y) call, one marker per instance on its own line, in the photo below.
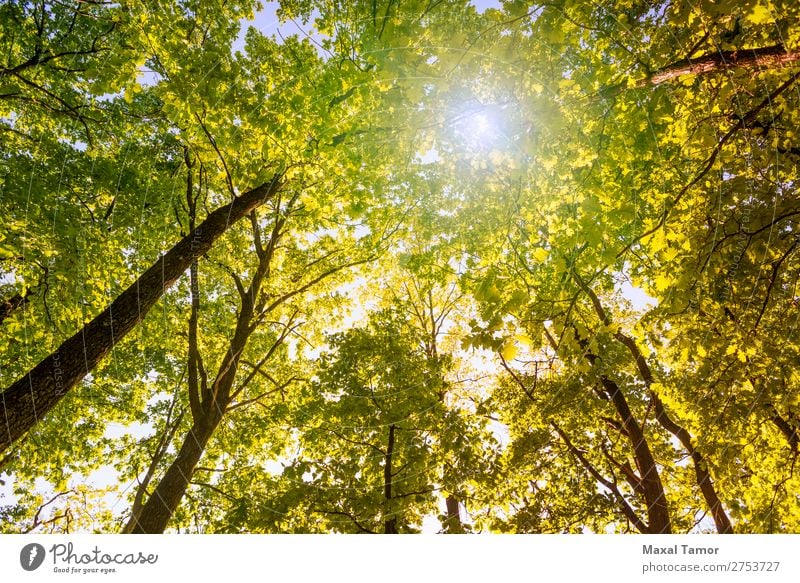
point(162, 503)
point(653, 489)
point(701, 469)
point(772, 57)
point(26, 401)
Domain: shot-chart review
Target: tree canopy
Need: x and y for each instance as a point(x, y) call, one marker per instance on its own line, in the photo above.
point(399, 266)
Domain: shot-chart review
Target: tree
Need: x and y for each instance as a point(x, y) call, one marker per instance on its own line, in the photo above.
point(32, 396)
point(551, 248)
point(211, 398)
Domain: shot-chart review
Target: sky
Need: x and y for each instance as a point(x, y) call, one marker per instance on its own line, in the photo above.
point(267, 22)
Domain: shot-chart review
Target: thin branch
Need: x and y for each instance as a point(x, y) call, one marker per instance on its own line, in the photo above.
point(361, 443)
point(709, 163)
point(211, 139)
point(213, 488)
point(517, 380)
point(610, 486)
point(360, 526)
point(36, 517)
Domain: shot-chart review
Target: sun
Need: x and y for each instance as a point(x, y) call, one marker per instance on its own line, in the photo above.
point(482, 125)
point(478, 129)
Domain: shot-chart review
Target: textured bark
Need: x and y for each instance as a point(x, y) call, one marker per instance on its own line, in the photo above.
point(761, 58)
point(652, 488)
point(26, 401)
point(164, 500)
point(702, 474)
point(757, 59)
point(390, 521)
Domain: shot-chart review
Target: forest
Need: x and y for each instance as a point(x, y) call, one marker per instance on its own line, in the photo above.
point(399, 266)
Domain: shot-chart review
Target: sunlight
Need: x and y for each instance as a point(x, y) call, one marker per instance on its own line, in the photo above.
point(479, 129)
point(482, 124)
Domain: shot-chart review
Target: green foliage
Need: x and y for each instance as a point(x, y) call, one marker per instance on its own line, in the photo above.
point(472, 203)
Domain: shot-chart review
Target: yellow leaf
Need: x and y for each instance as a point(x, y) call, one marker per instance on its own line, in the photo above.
point(509, 349)
point(669, 254)
point(524, 339)
point(760, 14)
point(659, 241)
point(701, 351)
point(662, 282)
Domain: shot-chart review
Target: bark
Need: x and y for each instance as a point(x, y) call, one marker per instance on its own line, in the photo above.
point(453, 524)
point(390, 520)
point(626, 508)
point(170, 427)
point(32, 396)
point(652, 488)
point(702, 474)
point(649, 479)
point(790, 433)
point(166, 497)
point(760, 58)
point(207, 404)
point(210, 403)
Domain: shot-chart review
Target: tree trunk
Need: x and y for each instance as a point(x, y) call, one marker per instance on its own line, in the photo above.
point(611, 485)
point(760, 58)
point(164, 500)
point(757, 59)
point(170, 427)
point(32, 396)
point(656, 500)
point(452, 524)
point(389, 519)
point(651, 487)
point(702, 474)
point(787, 430)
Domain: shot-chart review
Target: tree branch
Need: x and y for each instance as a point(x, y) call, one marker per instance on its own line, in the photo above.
point(610, 486)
